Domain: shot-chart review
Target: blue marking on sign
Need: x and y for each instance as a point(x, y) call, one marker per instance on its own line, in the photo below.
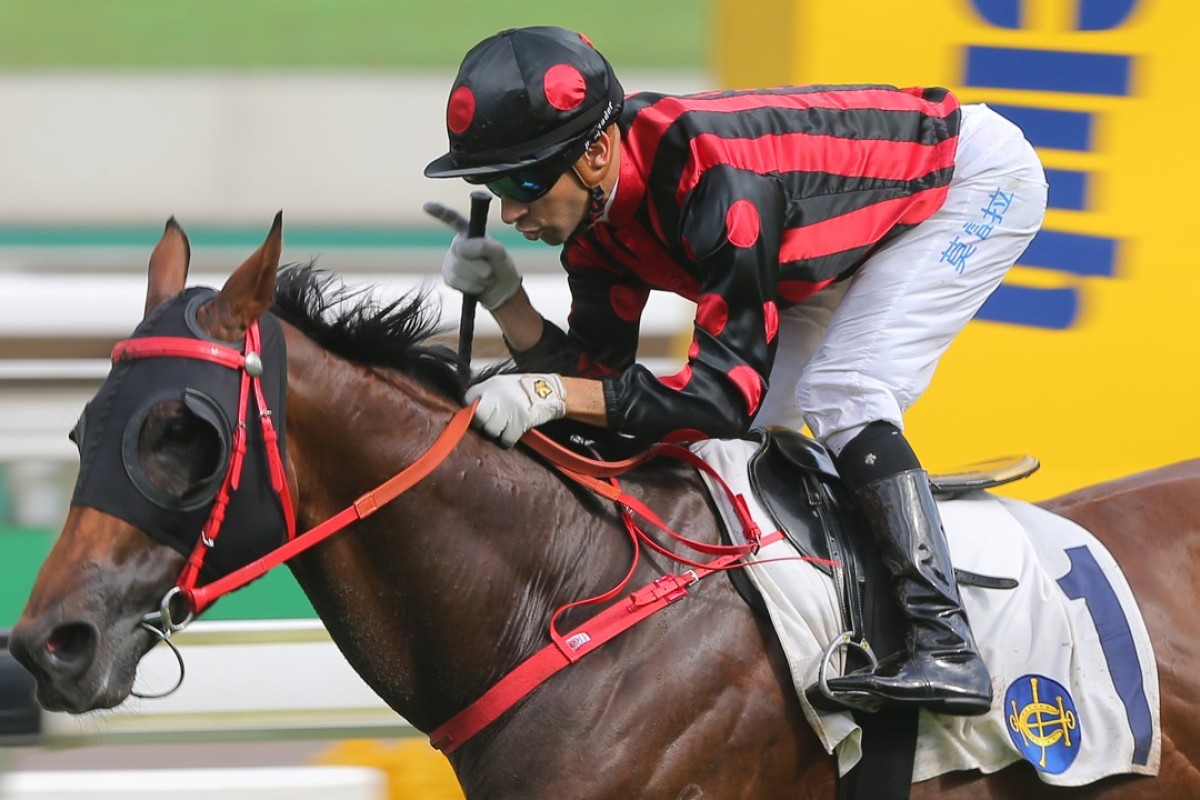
point(1048, 70)
point(1001, 13)
point(1043, 722)
point(1068, 189)
point(1025, 305)
point(1104, 15)
point(1050, 127)
point(1076, 253)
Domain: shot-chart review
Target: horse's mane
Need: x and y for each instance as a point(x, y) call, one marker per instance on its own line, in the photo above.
point(354, 324)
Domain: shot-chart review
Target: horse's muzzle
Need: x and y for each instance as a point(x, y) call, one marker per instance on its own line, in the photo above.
point(60, 659)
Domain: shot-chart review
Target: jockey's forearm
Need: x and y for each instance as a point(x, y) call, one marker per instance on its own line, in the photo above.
point(519, 321)
point(585, 401)
point(522, 327)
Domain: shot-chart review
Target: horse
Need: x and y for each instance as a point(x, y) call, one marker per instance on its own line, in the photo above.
point(444, 590)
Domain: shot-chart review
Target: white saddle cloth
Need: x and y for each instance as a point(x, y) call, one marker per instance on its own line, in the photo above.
point(1073, 671)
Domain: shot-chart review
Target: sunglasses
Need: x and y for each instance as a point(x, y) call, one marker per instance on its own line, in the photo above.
point(528, 184)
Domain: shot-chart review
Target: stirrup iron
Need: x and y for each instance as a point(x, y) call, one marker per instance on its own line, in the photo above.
point(858, 701)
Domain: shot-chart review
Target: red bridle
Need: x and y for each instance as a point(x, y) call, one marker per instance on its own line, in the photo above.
point(249, 363)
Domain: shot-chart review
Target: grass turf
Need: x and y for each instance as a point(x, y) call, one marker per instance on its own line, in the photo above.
point(384, 34)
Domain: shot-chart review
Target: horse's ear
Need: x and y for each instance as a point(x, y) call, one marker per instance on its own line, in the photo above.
point(247, 294)
point(168, 266)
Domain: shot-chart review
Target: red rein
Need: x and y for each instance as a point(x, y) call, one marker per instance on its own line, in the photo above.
point(564, 649)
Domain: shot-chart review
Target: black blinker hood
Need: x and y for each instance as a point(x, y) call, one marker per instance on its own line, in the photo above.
point(111, 478)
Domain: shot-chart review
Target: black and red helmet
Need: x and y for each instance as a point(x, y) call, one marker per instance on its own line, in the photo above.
point(524, 97)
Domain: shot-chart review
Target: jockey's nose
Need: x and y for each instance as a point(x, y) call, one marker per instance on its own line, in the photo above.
point(512, 210)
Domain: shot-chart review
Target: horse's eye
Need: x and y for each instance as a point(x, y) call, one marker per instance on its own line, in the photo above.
point(177, 450)
point(178, 429)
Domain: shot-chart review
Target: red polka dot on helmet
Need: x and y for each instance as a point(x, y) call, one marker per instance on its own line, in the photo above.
point(565, 87)
point(523, 97)
point(460, 112)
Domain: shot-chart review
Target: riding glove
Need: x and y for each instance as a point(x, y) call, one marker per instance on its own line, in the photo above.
point(509, 405)
point(481, 267)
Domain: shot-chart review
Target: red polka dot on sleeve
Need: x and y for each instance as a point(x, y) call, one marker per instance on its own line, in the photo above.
point(749, 384)
point(627, 301)
point(712, 313)
point(771, 317)
point(742, 223)
point(679, 380)
point(685, 435)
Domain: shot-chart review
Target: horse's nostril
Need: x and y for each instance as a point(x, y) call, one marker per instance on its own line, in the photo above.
point(71, 646)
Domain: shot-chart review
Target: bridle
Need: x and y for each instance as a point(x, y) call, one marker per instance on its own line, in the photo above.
point(162, 622)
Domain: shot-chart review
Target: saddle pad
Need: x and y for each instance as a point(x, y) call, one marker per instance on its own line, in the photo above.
point(1073, 670)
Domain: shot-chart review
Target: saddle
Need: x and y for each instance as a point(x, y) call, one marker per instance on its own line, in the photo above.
point(799, 486)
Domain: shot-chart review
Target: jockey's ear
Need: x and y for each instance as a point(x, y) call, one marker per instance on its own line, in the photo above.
point(247, 294)
point(168, 266)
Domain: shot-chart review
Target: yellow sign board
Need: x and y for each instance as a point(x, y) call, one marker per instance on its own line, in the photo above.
point(1087, 356)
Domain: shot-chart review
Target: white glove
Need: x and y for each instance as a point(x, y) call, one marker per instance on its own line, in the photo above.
point(480, 267)
point(509, 405)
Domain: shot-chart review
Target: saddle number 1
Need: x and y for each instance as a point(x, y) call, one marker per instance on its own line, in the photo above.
point(1086, 580)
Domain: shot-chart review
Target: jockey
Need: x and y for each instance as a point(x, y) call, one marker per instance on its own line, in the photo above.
point(834, 239)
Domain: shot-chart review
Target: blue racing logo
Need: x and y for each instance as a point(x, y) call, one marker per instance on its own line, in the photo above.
point(1043, 723)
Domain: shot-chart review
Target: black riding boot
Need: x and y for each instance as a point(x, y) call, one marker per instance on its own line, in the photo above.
point(942, 670)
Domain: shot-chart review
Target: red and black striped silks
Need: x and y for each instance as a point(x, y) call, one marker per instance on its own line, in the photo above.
point(745, 202)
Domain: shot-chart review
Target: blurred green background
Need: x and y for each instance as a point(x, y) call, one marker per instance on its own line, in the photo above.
point(351, 34)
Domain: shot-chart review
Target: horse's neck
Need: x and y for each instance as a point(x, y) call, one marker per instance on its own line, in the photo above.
point(443, 590)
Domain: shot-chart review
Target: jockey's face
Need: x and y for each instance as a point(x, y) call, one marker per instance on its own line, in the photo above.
point(557, 214)
point(554, 216)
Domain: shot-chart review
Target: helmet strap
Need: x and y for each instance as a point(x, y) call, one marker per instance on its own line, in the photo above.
point(595, 210)
point(592, 179)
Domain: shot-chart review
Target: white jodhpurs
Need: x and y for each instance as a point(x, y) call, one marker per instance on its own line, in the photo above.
point(864, 350)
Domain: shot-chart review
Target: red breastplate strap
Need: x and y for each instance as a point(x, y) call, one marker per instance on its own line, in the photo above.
point(566, 649)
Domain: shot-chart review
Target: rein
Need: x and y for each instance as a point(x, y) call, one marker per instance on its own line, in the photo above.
point(597, 476)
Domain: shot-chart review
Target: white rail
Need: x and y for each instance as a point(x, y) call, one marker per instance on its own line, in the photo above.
point(110, 305)
point(273, 679)
point(292, 783)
